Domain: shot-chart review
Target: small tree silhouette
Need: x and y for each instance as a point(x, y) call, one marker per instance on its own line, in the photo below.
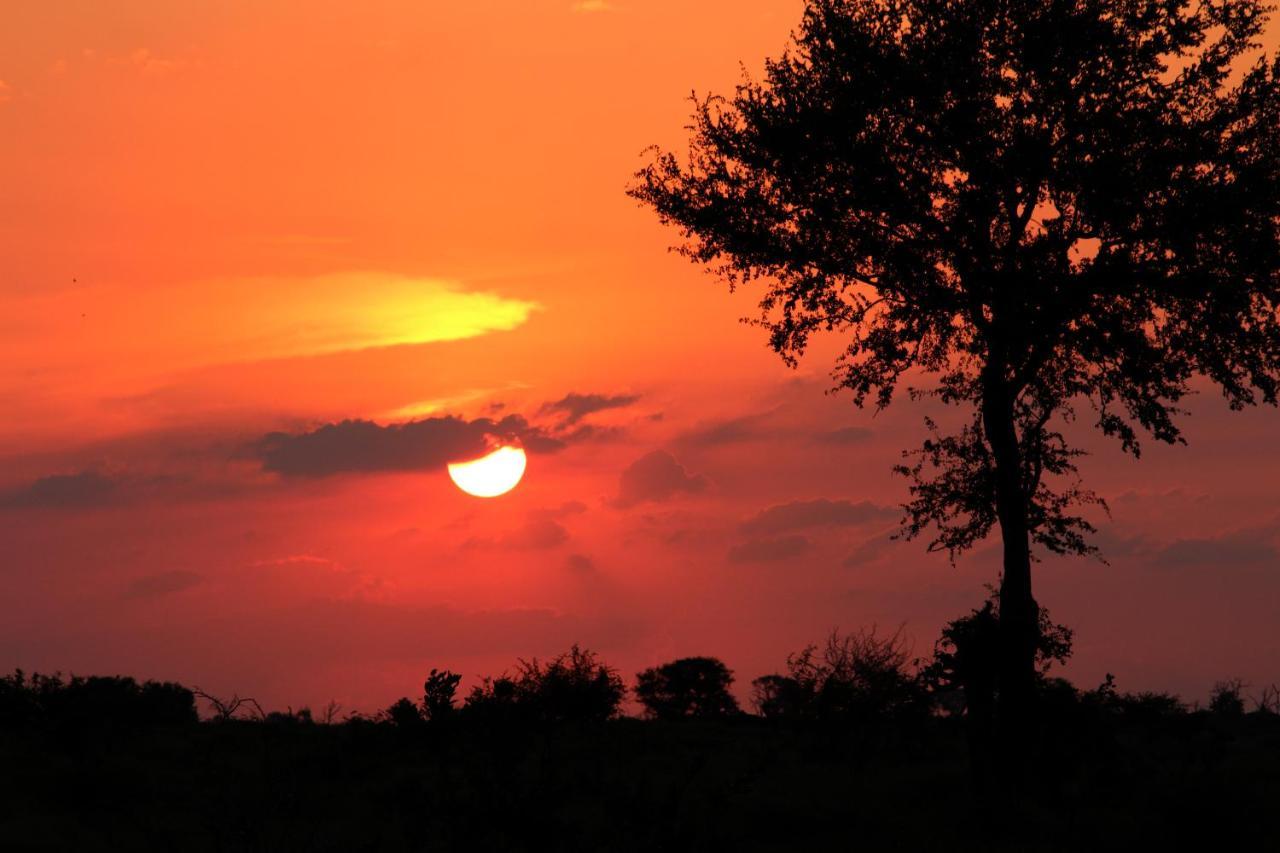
point(438, 694)
point(1042, 206)
point(572, 687)
point(1227, 699)
point(688, 687)
point(404, 714)
point(859, 676)
point(966, 657)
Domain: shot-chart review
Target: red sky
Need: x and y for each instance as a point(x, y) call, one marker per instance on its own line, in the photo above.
point(224, 220)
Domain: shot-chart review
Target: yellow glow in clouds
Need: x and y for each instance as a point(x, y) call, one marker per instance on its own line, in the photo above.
point(492, 475)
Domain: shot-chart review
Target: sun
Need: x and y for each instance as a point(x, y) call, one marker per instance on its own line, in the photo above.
point(492, 475)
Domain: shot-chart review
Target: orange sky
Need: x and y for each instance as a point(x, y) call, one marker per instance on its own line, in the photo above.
point(227, 219)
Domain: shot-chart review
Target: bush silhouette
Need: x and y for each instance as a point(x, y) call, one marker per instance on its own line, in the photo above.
point(1226, 698)
point(688, 687)
point(96, 702)
point(964, 672)
point(438, 693)
point(404, 714)
point(857, 676)
point(572, 687)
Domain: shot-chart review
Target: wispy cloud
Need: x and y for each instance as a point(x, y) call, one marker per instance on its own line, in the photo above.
point(586, 7)
point(206, 323)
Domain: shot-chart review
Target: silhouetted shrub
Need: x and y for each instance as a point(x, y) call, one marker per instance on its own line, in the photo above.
point(438, 693)
point(494, 700)
point(290, 717)
point(1144, 707)
point(855, 676)
point(963, 674)
point(689, 687)
point(404, 714)
point(1226, 698)
point(101, 702)
point(572, 687)
point(1268, 700)
point(778, 697)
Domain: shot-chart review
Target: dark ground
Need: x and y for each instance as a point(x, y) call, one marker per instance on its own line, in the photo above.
point(1188, 781)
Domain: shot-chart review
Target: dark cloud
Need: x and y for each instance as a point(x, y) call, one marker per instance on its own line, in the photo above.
point(581, 563)
point(731, 431)
point(573, 407)
point(656, 476)
point(164, 583)
point(869, 550)
point(542, 530)
point(1233, 549)
point(847, 435)
point(537, 534)
point(82, 489)
point(766, 426)
point(799, 515)
point(770, 550)
point(357, 445)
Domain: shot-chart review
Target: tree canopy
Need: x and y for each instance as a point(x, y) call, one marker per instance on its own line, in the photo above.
point(1044, 206)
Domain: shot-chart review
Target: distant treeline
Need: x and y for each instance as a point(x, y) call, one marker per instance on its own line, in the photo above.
point(863, 678)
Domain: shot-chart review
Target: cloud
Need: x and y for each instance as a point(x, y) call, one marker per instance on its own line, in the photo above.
point(573, 407)
point(60, 491)
point(770, 550)
point(6, 92)
point(870, 550)
point(364, 446)
point(730, 431)
point(537, 534)
point(845, 435)
point(201, 324)
point(586, 7)
point(656, 477)
point(541, 530)
point(766, 426)
point(581, 564)
point(800, 515)
point(164, 583)
point(147, 62)
point(1243, 547)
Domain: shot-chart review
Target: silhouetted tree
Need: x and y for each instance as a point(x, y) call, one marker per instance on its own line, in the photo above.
point(572, 687)
point(966, 657)
point(1037, 204)
point(404, 714)
point(237, 706)
point(104, 703)
point(493, 700)
point(858, 676)
point(438, 692)
point(964, 674)
point(1226, 698)
point(1268, 701)
point(779, 697)
point(688, 687)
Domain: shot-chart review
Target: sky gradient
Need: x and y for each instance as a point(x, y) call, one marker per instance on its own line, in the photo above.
point(265, 267)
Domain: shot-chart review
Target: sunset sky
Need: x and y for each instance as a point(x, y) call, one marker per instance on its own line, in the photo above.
point(230, 232)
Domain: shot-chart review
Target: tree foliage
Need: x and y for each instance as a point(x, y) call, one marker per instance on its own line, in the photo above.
point(688, 687)
point(860, 676)
point(1050, 208)
point(965, 664)
point(572, 687)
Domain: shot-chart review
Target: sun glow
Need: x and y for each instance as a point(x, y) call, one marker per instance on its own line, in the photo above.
point(492, 475)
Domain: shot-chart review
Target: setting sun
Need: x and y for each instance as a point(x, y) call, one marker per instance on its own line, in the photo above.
point(492, 475)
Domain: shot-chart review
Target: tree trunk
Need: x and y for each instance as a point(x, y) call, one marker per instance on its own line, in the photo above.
point(1019, 614)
